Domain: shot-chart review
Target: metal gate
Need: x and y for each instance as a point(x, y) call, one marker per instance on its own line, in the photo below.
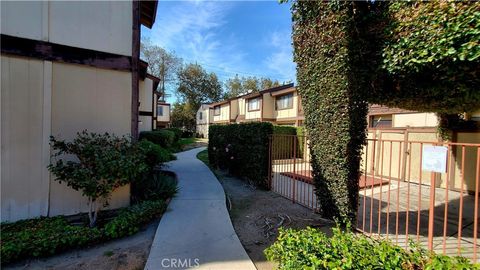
point(397, 199)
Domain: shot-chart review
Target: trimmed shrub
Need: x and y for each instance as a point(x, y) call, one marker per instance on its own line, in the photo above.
point(155, 154)
point(178, 133)
point(164, 138)
point(312, 249)
point(242, 149)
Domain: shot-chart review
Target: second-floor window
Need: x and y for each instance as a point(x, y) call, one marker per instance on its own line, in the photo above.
point(160, 111)
point(216, 110)
point(200, 115)
point(254, 104)
point(284, 102)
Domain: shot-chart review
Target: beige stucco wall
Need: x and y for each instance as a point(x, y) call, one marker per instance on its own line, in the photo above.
point(145, 95)
point(224, 113)
point(268, 106)
point(14, 22)
point(89, 98)
point(415, 120)
point(234, 109)
point(166, 114)
point(25, 121)
point(101, 25)
point(39, 99)
point(144, 123)
point(241, 106)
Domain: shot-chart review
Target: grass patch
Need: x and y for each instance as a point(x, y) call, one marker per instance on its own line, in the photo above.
point(203, 156)
point(180, 145)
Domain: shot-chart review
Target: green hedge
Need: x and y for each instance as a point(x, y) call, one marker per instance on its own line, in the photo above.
point(242, 149)
point(47, 236)
point(283, 145)
point(312, 249)
point(155, 154)
point(178, 133)
point(164, 138)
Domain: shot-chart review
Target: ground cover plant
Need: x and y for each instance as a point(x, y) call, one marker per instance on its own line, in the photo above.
point(312, 249)
point(103, 163)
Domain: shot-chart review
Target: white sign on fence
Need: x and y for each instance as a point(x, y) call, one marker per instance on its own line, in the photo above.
point(434, 158)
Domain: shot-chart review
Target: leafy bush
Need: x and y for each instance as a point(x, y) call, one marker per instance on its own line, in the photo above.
point(187, 134)
point(130, 219)
point(154, 186)
point(312, 249)
point(242, 149)
point(105, 162)
point(47, 236)
point(164, 138)
point(178, 133)
point(155, 154)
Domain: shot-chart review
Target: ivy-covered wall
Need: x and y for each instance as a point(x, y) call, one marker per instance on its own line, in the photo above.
point(332, 100)
point(422, 56)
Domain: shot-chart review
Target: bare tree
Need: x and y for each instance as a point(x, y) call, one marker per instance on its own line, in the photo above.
point(162, 64)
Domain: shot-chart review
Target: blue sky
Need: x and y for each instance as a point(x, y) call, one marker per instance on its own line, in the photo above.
point(247, 38)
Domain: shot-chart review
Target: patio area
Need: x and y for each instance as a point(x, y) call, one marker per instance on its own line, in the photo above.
point(396, 211)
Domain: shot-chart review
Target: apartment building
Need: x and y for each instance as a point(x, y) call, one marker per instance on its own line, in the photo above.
point(66, 67)
point(162, 115)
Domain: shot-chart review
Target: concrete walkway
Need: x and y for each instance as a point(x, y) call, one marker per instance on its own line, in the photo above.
point(196, 231)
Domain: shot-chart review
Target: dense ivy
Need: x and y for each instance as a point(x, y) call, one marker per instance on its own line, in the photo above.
point(332, 100)
point(431, 56)
point(422, 56)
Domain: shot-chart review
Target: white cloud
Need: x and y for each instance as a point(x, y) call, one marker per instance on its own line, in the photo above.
point(280, 61)
point(191, 29)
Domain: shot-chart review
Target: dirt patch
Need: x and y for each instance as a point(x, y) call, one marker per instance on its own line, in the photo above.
point(129, 253)
point(257, 214)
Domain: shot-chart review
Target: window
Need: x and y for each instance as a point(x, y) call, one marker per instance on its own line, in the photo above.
point(200, 115)
point(160, 111)
point(216, 110)
point(284, 102)
point(381, 121)
point(254, 104)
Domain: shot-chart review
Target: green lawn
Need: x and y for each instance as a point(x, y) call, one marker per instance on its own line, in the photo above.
point(183, 142)
point(186, 141)
point(203, 156)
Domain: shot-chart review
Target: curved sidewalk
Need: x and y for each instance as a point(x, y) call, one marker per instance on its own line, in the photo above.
point(196, 231)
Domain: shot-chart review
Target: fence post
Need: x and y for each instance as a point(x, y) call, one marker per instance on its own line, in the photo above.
point(294, 169)
point(431, 210)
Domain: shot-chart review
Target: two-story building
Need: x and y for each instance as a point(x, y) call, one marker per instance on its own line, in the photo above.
point(66, 67)
point(279, 105)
